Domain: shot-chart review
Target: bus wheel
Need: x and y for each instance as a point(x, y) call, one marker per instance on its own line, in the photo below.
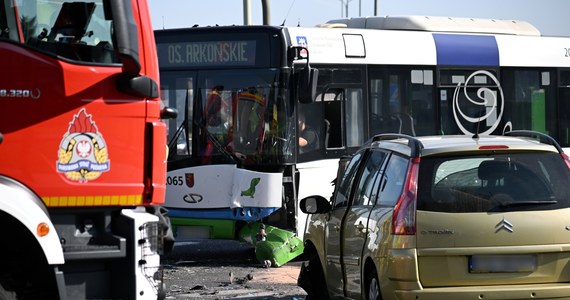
point(373, 287)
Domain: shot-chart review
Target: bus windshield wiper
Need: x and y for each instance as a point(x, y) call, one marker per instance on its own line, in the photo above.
point(221, 148)
point(173, 143)
point(232, 157)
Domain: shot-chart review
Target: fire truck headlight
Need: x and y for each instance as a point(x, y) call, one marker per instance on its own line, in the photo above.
point(151, 237)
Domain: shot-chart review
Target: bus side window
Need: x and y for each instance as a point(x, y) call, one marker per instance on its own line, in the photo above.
point(179, 93)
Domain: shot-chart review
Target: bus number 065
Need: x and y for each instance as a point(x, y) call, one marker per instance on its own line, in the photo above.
point(174, 180)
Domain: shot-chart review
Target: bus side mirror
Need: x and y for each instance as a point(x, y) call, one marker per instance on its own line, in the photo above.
point(307, 78)
point(308, 84)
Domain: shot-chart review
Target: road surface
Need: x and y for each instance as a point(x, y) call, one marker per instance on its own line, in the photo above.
point(216, 269)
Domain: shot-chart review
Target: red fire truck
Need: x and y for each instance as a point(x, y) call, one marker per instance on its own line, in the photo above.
point(82, 152)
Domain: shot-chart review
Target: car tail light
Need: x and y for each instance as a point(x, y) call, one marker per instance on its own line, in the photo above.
point(404, 216)
point(566, 159)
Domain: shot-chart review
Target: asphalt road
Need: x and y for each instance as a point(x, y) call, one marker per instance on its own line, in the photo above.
point(216, 269)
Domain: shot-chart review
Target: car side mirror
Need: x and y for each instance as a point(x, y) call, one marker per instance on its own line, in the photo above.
point(315, 205)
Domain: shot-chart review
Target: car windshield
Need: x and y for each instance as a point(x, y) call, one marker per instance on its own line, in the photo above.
point(495, 182)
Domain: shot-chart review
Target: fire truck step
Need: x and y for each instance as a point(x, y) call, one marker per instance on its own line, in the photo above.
point(92, 251)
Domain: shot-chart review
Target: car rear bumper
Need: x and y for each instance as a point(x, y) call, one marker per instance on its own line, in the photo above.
point(499, 292)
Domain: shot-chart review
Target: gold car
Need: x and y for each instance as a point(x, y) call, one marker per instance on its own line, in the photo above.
point(443, 217)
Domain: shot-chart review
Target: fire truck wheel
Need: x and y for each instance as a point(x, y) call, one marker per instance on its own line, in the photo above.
point(6, 295)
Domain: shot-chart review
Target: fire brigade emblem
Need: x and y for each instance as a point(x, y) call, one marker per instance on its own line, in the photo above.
point(82, 154)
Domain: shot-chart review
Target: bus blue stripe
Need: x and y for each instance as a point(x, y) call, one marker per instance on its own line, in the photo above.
point(249, 214)
point(466, 50)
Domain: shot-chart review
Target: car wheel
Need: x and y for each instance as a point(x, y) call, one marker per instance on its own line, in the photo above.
point(373, 287)
point(317, 286)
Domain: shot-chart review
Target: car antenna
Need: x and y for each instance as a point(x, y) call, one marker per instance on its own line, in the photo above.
point(287, 15)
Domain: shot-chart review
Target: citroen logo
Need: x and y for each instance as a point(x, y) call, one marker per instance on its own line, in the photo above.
point(504, 225)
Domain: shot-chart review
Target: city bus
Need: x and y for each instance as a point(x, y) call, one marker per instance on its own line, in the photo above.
point(410, 74)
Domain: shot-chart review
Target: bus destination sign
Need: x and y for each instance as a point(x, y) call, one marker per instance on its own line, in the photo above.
point(210, 54)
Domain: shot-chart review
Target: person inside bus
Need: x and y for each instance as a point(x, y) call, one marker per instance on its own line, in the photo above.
point(213, 107)
point(217, 126)
point(308, 138)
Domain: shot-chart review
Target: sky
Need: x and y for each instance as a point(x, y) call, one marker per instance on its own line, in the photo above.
point(551, 17)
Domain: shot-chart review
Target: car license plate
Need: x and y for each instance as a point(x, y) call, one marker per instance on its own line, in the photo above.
point(502, 263)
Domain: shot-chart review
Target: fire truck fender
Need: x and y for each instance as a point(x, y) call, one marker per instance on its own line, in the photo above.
point(21, 203)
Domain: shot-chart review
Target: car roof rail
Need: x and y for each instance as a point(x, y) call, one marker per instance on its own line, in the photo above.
point(543, 138)
point(415, 145)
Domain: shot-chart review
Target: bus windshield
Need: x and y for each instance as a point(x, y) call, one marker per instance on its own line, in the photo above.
point(232, 116)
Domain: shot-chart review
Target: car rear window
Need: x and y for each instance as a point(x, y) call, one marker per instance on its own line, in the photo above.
point(495, 182)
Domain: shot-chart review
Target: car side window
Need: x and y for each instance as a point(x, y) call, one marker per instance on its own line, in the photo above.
point(371, 170)
point(343, 192)
point(393, 180)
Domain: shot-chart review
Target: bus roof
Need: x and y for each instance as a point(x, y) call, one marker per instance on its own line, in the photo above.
point(438, 24)
point(424, 48)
